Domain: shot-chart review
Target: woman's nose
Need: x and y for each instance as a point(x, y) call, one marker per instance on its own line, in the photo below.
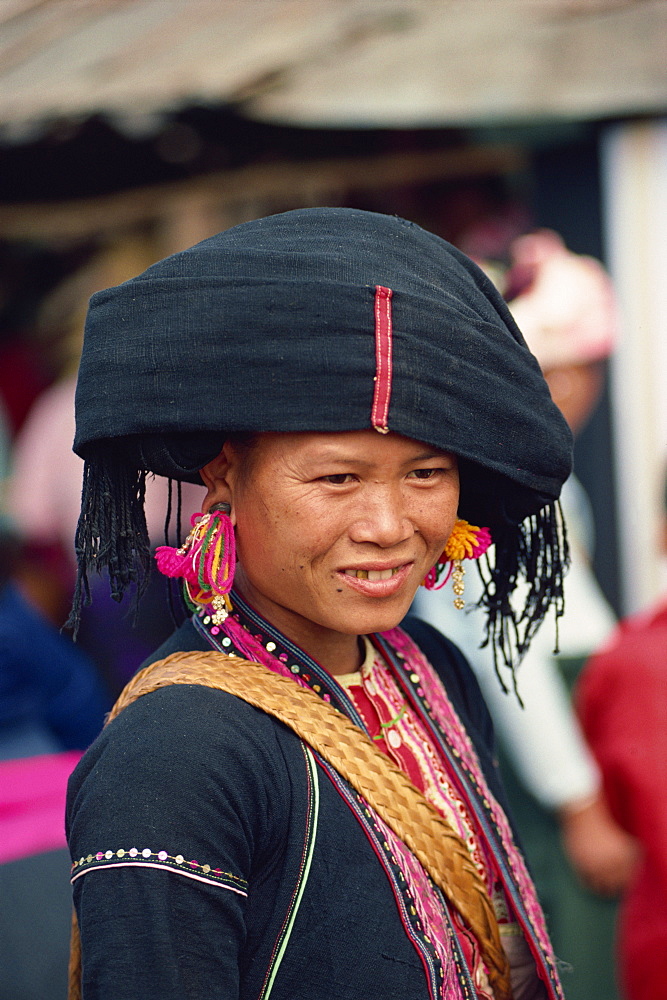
point(381, 520)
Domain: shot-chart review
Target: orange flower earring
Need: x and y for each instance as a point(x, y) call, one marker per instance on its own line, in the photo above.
point(466, 541)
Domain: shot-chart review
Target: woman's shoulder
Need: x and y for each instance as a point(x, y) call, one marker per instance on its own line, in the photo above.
point(191, 726)
point(180, 750)
point(187, 725)
point(182, 711)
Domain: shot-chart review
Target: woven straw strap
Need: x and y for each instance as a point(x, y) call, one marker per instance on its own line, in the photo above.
point(356, 758)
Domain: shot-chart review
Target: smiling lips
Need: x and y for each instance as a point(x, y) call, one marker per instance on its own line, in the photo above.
point(377, 582)
point(372, 574)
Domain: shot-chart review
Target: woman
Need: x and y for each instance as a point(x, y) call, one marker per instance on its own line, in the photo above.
point(312, 809)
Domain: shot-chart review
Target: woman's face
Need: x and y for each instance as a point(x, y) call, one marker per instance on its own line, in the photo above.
point(335, 531)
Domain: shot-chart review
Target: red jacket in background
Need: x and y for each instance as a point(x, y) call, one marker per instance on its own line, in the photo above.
point(622, 704)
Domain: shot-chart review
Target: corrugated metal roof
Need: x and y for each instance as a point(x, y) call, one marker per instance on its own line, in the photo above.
point(335, 62)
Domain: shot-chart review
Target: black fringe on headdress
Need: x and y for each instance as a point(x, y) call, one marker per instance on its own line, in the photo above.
point(523, 582)
point(177, 606)
point(112, 531)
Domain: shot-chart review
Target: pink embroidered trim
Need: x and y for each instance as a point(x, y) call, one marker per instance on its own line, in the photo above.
point(428, 908)
point(439, 789)
point(444, 712)
point(383, 360)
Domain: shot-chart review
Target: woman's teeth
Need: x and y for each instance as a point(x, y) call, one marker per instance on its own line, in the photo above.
point(372, 574)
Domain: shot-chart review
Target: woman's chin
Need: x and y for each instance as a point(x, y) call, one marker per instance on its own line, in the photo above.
point(381, 618)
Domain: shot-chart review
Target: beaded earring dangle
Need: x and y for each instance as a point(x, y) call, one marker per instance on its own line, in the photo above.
point(206, 561)
point(466, 541)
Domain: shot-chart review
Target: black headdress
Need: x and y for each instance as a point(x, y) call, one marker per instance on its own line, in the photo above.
point(325, 319)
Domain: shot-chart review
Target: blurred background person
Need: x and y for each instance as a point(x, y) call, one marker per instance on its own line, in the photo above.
point(564, 306)
point(621, 697)
point(44, 493)
point(52, 705)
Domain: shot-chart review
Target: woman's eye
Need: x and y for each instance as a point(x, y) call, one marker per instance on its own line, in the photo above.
point(339, 479)
point(423, 473)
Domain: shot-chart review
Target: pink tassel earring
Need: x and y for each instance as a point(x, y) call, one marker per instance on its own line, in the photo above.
point(206, 561)
point(466, 541)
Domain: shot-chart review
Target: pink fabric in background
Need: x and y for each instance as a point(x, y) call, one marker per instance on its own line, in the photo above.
point(32, 804)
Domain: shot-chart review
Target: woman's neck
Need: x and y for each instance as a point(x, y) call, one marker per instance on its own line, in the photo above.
point(337, 652)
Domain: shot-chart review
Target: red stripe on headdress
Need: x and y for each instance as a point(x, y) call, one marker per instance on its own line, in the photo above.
point(383, 346)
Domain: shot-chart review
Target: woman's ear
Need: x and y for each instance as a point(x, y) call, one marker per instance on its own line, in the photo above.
point(215, 476)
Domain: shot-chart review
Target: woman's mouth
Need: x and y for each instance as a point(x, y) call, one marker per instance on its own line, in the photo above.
point(372, 574)
point(377, 582)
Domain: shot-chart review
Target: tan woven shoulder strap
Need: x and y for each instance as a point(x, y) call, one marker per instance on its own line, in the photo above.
point(356, 758)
